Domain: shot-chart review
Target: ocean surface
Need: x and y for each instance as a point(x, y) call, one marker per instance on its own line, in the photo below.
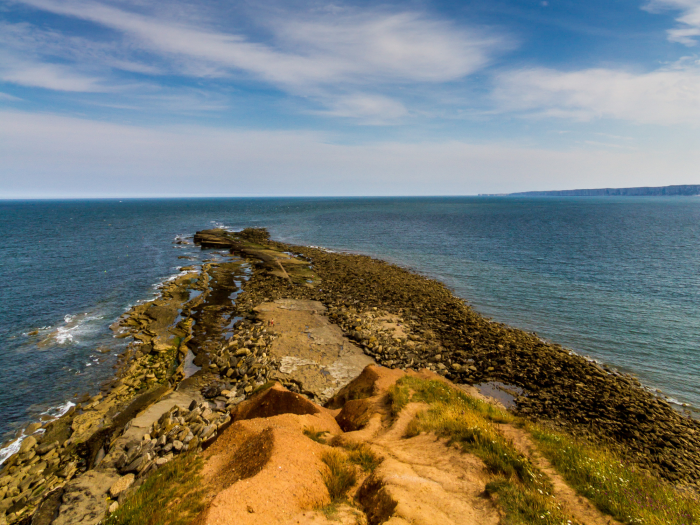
point(615, 279)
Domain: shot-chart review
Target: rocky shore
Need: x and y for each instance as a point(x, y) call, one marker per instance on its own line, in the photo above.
point(215, 336)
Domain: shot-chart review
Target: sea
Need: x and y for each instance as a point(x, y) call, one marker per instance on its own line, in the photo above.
point(616, 279)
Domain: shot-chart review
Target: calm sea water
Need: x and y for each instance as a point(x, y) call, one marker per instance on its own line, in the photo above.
point(617, 279)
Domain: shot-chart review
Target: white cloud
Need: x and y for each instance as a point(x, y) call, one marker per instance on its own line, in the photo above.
point(49, 155)
point(9, 98)
point(403, 47)
point(50, 76)
point(372, 109)
point(667, 96)
point(328, 55)
point(689, 20)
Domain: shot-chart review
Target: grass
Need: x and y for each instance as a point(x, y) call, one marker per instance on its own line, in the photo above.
point(340, 475)
point(361, 454)
point(475, 434)
point(260, 388)
point(411, 389)
point(173, 495)
point(526, 506)
point(614, 486)
point(319, 436)
point(523, 492)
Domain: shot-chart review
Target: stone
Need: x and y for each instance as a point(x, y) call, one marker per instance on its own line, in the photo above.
point(207, 431)
point(27, 444)
point(84, 499)
point(177, 445)
point(67, 471)
point(32, 428)
point(135, 465)
point(45, 448)
point(164, 460)
point(113, 507)
point(121, 485)
point(211, 391)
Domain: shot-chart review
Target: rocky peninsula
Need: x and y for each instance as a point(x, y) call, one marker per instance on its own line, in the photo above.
point(197, 382)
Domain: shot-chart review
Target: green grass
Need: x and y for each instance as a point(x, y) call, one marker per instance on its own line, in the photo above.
point(475, 434)
point(526, 506)
point(615, 487)
point(319, 436)
point(173, 495)
point(361, 454)
point(262, 387)
point(340, 475)
point(411, 389)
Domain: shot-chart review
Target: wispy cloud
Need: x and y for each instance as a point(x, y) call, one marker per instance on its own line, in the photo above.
point(331, 56)
point(331, 48)
point(689, 20)
point(666, 96)
point(9, 98)
point(50, 76)
point(373, 109)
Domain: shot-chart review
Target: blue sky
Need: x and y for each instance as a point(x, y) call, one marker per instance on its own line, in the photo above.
point(142, 98)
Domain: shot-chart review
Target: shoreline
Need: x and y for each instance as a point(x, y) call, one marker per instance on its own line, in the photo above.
point(432, 329)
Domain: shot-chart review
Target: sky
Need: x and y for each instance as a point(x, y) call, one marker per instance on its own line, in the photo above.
point(137, 98)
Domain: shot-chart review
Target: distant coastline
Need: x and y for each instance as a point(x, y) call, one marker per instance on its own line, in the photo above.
point(687, 190)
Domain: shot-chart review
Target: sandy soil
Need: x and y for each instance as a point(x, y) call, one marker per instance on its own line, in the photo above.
point(264, 469)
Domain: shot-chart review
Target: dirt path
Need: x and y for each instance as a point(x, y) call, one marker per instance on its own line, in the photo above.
point(574, 504)
point(428, 481)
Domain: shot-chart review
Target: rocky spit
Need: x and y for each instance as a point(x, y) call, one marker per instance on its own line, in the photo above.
point(210, 340)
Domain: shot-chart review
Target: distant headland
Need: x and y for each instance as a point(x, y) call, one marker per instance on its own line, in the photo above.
point(645, 191)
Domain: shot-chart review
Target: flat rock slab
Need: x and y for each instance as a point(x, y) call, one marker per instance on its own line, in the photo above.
point(84, 500)
point(143, 422)
point(312, 351)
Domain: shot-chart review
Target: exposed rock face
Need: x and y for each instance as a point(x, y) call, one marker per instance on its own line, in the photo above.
point(264, 457)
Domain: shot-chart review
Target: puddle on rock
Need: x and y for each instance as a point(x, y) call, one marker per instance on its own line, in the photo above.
point(189, 368)
point(194, 294)
point(501, 392)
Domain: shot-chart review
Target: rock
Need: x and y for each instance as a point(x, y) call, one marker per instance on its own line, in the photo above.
point(113, 507)
point(67, 471)
point(84, 499)
point(177, 445)
point(45, 448)
point(48, 508)
point(27, 444)
point(165, 459)
point(212, 391)
point(32, 428)
point(121, 485)
point(136, 464)
point(207, 431)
